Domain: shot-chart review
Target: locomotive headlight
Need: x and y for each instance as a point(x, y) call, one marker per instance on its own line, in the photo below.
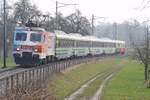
point(18, 49)
point(35, 50)
point(38, 49)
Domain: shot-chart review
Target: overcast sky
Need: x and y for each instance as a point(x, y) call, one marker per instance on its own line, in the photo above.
point(113, 10)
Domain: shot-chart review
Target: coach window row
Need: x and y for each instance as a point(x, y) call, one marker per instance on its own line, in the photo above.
point(119, 45)
point(64, 43)
point(82, 43)
point(109, 44)
point(97, 44)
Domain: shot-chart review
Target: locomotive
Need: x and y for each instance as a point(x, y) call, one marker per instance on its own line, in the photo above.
point(34, 45)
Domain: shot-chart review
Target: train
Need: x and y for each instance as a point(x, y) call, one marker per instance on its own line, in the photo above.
point(35, 45)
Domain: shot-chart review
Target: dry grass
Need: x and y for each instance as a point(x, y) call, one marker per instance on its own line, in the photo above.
point(37, 92)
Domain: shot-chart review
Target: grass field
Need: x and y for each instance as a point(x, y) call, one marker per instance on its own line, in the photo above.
point(128, 84)
point(67, 82)
point(9, 61)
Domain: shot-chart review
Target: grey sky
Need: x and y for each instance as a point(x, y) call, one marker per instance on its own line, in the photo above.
point(113, 10)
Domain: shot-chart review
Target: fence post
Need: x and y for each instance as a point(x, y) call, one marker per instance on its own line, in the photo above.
point(30, 77)
point(43, 75)
point(25, 80)
point(33, 77)
point(40, 76)
point(12, 84)
point(17, 82)
point(22, 84)
point(7, 85)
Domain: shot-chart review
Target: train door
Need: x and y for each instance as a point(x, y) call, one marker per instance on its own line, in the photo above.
point(51, 44)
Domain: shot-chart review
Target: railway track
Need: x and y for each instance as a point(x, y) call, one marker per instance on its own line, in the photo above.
point(17, 69)
point(8, 69)
point(9, 72)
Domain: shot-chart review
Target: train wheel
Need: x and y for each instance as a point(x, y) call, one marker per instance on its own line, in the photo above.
point(44, 61)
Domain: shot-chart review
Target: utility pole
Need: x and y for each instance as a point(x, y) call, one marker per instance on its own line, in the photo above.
point(115, 31)
point(93, 19)
point(4, 36)
point(57, 6)
point(92, 24)
point(56, 15)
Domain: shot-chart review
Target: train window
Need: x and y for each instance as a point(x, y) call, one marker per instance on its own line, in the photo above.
point(35, 37)
point(114, 45)
point(57, 43)
point(71, 45)
point(68, 43)
point(82, 43)
point(102, 44)
point(78, 43)
point(119, 45)
point(105, 44)
point(43, 38)
point(21, 36)
point(61, 43)
point(65, 43)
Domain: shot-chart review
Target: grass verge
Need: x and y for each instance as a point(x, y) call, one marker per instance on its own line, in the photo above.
point(9, 62)
point(95, 85)
point(64, 84)
point(128, 84)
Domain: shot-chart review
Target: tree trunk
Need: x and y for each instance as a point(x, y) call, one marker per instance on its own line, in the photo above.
point(146, 66)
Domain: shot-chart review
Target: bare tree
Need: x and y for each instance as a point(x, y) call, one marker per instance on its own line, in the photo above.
point(74, 23)
point(24, 11)
point(79, 23)
point(143, 53)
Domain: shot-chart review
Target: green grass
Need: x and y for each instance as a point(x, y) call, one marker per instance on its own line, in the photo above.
point(92, 88)
point(128, 84)
point(66, 83)
point(9, 62)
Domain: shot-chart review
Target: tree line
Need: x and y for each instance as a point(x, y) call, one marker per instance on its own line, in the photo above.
point(23, 11)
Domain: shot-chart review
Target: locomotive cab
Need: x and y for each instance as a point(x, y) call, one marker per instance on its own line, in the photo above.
point(30, 46)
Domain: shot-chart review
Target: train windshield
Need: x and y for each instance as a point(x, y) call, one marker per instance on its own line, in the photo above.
point(35, 37)
point(21, 36)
